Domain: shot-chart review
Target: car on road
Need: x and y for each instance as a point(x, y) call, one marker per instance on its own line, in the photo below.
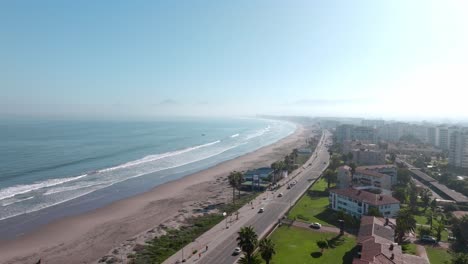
point(236, 251)
point(261, 210)
point(429, 239)
point(316, 225)
point(280, 194)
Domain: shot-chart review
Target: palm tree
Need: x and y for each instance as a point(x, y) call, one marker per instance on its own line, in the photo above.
point(295, 153)
point(247, 241)
point(439, 228)
point(330, 176)
point(405, 223)
point(240, 179)
point(233, 183)
point(254, 260)
point(267, 249)
point(322, 244)
point(426, 197)
point(352, 165)
point(277, 167)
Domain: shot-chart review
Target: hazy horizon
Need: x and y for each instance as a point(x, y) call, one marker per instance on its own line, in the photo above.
point(110, 60)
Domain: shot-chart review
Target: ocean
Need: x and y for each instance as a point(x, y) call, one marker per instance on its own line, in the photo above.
point(61, 168)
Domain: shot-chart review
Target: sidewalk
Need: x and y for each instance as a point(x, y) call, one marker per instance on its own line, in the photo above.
point(219, 232)
point(230, 226)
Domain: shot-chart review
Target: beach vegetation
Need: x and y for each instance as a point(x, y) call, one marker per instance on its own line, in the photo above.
point(160, 248)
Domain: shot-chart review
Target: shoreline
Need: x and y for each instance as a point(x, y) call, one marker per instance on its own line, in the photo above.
point(86, 237)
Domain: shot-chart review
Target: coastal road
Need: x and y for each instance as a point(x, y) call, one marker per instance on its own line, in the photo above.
point(275, 207)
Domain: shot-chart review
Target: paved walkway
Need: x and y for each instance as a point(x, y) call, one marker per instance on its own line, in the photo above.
point(421, 252)
point(232, 224)
point(323, 229)
point(218, 233)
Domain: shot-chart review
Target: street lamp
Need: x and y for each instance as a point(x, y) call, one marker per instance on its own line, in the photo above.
point(224, 215)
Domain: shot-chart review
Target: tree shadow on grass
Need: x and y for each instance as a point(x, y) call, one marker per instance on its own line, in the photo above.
point(350, 255)
point(328, 216)
point(317, 194)
point(336, 241)
point(316, 254)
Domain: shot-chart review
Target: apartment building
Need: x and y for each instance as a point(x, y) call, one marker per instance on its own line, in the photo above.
point(358, 202)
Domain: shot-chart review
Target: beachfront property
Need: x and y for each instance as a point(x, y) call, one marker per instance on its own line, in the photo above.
point(378, 176)
point(358, 202)
point(258, 178)
point(376, 244)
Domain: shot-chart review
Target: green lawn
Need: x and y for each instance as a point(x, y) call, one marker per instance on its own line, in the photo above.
point(409, 248)
point(313, 206)
point(297, 245)
point(437, 255)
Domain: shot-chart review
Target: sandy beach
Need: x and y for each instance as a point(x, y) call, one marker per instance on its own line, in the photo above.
point(118, 228)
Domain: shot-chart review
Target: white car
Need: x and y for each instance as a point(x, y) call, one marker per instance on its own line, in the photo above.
point(316, 225)
point(261, 210)
point(236, 251)
point(280, 195)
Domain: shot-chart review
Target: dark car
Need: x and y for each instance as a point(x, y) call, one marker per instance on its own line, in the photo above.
point(429, 239)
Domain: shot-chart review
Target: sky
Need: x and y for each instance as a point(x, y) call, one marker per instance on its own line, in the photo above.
point(375, 59)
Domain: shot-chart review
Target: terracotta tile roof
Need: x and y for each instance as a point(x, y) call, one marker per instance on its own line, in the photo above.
point(367, 197)
point(377, 244)
point(375, 227)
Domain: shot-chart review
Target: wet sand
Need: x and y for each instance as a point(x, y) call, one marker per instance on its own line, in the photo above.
point(117, 228)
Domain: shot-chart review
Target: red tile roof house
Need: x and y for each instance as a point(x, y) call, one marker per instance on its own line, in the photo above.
point(376, 244)
point(357, 202)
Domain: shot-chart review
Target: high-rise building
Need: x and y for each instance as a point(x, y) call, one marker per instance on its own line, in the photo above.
point(433, 135)
point(444, 137)
point(458, 151)
point(350, 132)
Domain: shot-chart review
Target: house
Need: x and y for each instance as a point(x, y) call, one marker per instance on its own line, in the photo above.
point(376, 245)
point(262, 173)
point(358, 202)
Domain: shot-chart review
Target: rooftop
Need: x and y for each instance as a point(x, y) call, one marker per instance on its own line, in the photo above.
point(377, 245)
point(376, 167)
point(422, 175)
point(457, 197)
point(367, 197)
point(359, 170)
